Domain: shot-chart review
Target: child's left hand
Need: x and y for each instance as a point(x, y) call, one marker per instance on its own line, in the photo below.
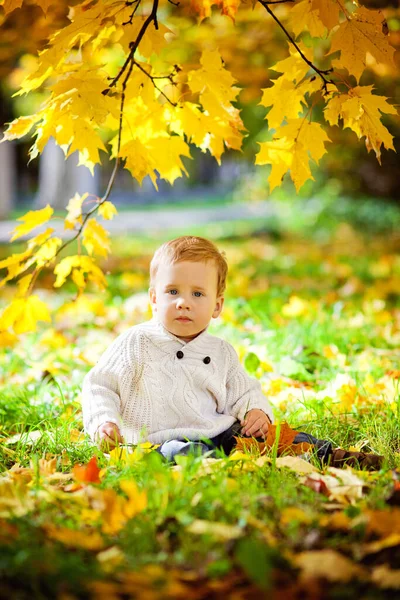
point(255, 423)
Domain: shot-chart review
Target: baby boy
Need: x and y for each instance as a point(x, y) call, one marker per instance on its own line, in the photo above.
point(168, 381)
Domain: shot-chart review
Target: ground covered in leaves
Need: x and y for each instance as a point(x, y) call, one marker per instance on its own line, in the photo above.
point(317, 319)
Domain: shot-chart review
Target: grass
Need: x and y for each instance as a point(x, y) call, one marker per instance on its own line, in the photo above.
point(321, 319)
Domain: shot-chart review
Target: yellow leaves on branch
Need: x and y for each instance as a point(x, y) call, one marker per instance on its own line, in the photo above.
point(215, 86)
point(79, 267)
point(361, 34)
point(10, 5)
point(361, 111)
point(96, 238)
point(31, 220)
point(291, 149)
point(23, 314)
point(287, 96)
point(203, 7)
point(25, 311)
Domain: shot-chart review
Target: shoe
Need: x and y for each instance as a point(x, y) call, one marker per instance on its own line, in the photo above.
point(360, 460)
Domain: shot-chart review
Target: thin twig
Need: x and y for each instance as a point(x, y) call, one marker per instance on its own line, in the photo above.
point(134, 45)
point(129, 63)
point(320, 72)
point(152, 80)
point(130, 20)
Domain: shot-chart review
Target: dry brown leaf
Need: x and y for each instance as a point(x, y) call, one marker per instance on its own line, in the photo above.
point(382, 522)
point(388, 542)
point(294, 463)
point(328, 564)
point(221, 531)
point(386, 578)
point(285, 445)
point(339, 484)
point(73, 538)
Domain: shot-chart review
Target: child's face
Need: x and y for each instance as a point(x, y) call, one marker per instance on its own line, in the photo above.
point(186, 290)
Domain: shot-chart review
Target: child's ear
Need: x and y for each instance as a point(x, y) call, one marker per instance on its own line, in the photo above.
point(152, 297)
point(218, 307)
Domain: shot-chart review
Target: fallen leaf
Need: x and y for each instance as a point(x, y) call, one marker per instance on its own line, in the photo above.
point(386, 578)
point(328, 564)
point(221, 531)
point(87, 473)
point(294, 463)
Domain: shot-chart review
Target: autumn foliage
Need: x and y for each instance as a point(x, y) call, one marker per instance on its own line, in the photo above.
point(143, 81)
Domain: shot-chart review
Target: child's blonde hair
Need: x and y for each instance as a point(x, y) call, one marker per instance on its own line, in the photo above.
point(193, 249)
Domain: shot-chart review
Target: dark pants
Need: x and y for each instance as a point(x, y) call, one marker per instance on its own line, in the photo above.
point(226, 441)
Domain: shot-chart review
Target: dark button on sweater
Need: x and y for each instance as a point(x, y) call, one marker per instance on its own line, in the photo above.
point(179, 354)
point(207, 360)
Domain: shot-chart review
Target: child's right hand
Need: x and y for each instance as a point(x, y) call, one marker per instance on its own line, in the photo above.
point(108, 436)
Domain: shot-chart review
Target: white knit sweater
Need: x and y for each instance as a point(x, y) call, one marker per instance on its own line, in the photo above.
point(141, 384)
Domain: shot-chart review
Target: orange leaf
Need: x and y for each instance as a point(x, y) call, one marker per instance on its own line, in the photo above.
point(285, 444)
point(87, 473)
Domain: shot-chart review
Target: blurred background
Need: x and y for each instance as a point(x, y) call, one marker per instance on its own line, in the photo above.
point(348, 181)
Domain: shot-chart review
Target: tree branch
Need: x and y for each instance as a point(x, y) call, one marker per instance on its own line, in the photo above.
point(134, 45)
point(320, 72)
point(153, 81)
point(128, 65)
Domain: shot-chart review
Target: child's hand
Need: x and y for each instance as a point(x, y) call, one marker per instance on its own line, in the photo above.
point(255, 423)
point(108, 436)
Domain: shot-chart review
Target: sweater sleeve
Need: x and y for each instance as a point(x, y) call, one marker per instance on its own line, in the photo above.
point(100, 399)
point(243, 392)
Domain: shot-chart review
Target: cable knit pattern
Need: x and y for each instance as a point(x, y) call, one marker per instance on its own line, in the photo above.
point(140, 384)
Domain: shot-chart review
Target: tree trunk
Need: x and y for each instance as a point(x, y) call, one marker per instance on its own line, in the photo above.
point(7, 177)
point(60, 179)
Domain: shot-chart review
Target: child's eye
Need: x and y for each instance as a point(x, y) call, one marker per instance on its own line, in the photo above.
point(174, 292)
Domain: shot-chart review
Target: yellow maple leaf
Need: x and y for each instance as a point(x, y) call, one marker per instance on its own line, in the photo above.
point(44, 4)
point(294, 66)
point(47, 251)
point(152, 43)
point(203, 7)
point(23, 314)
point(107, 210)
point(278, 154)
point(96, 238)
point(88, 143)
point(328, 10)
point(214, 83)
point(291, 148)
point(356, 36)
point(138, 161)
point(137, 500)
point(187, 119)
point(74, 209)
point(16, 264)
point(20, 127)
point(39, 239)
point(287, 99)
point(31, 220)
point(23, 285)
point(166, 153)
point(10, 5)
point(83, 264)
point(303, 16)
point(72, 538)
point(361, 111)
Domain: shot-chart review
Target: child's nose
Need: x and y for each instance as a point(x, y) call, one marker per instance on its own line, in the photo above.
point(181, 302)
